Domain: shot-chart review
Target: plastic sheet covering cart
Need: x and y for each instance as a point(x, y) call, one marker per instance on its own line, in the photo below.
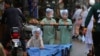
point(64, 50)
point(42, 52)
point(50, 50)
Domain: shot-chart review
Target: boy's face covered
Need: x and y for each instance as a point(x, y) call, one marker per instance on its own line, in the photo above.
point(37, 34)
point(64, 16)
point(49, 15)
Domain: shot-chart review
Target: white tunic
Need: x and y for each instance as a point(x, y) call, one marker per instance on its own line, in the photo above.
point(84, 15)
point(88, 38)
point(76, 16)
point(33, 42)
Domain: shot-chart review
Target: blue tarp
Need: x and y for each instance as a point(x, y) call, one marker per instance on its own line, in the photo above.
point(49, 50)
point(41, 52)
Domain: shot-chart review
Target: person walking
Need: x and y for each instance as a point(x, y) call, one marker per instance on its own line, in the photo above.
point(95, 11)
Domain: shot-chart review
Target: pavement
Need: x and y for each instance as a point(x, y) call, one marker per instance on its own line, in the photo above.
point(78, 48)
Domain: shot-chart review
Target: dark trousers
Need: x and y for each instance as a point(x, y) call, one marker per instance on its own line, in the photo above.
point(96, 43)
point(6, 38)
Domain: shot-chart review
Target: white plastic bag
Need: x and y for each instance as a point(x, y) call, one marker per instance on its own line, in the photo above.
point(83, 38)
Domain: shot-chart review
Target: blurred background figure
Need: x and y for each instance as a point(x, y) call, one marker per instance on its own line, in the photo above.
point(33, 8)
point(76, 21)
point(94, 11)
point(83, 15)
point(88, 37)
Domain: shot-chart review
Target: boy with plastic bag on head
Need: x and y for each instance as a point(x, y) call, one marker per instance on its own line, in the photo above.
point(48, 30)
point(65, 31)
point(36, 39)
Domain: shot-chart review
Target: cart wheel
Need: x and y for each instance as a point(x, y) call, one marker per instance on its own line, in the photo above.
point(62, 51)
point(69, 50)
point(27, 54)
point(66, 52)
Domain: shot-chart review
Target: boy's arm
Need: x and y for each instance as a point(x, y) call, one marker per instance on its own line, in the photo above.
point(41, 43)
point(28, 43)
point(42, 22)
point(70, 24)
point(53, 22)
point(59, 23)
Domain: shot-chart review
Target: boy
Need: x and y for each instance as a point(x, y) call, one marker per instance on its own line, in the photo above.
point(36, 39)
point(65, 31)
point(49, 31)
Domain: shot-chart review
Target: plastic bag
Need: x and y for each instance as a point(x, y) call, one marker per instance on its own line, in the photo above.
point(83, 38)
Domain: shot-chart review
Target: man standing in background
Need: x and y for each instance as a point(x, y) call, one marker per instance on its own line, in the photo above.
point(33, 8)
point(95, 11)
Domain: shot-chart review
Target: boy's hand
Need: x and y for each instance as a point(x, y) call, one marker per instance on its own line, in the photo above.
point(54, 24)
point(41, 23)
point(65, 23)
point(41, 47)
point(51, 23)
point(36, 21)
